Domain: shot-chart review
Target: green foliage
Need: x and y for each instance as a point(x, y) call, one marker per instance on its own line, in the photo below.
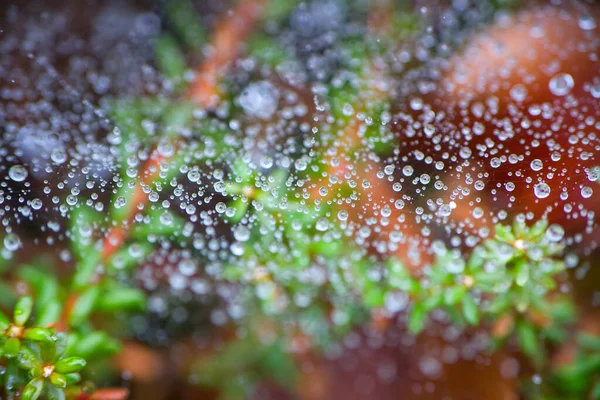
point(35, 356)
point(185, 23)
point(240, 366)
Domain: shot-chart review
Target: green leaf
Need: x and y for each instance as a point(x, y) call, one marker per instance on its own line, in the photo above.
point(23, 310)
point(176, 117)
point(470, 310)
point(521, 273)
point(58, 380)
point(11, 347)
point(4, 322)
point(95, 345)
point(8, 297)
point(454, 295)
point(156, 226)
point(69, 365)
point(40, 334)
point(86, 268)
point(417, 318)
point(33, 389)
point(241, 207)
point(123, 260)
point(537, 230)
point(268, 51)
point(185, 22)
point(55, 393)
point(528, 340)
point(49, 313)
point(44, 283)
point(570, 379)
point(170, 59)
point(73, 378)
point(373, 297)
point(121, 299)
point(48, 351)
point(13, 378)
point(595, 393)
point(62, 342)
point(504, 233)
point(27, 359)
point(589, 341)
point(82, 221)
point(84, 306)
point(277, 10)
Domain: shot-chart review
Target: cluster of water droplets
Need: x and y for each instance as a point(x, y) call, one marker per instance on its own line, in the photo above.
point(454, 163)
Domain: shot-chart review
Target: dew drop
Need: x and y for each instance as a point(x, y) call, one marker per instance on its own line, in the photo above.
point(541, 190)
point(17, 173)
point(561, 84)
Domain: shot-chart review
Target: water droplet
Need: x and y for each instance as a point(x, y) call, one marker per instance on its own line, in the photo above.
point(193, 175)
point(555, 233)
point(537, 164)
point(241, 233)
point(322, 225)
point(587, 22)
point(266, 162)
point(260, 99)
point(541, 190)
point(561, 84)
point(58, 156)
point(166, 218)
point(518, 92)
point(12, 242)
point(18, 173)
point(36, 204)
point(586, 192)
point(187, 267)
point(395, 301)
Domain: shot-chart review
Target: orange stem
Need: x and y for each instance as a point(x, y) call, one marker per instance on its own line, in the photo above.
point(229, 34)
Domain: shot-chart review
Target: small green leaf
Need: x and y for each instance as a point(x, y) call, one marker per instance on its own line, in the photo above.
point(85, 269)
point(69, 365)
point(521, 273)
point(39, 334)
point(23, 310)
point(170, 59)
point(27, 359)
point(4, 322)
point(33, 389)
point(73, 378)
point(241, 207)
point(84, 306)
point(49, 313)
point(95, 345)
point(537, 230)
point(121, 299)
point(528, 339)
point(470, 310)
point(595, 393)
point(185, 22)
point(82, 220)
point(55, 393)
point(454, 295)
point(504, 233)
point(589, 341)
point(417, 319)
point(11, 347)
point(48, 351)
point(58, 380)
